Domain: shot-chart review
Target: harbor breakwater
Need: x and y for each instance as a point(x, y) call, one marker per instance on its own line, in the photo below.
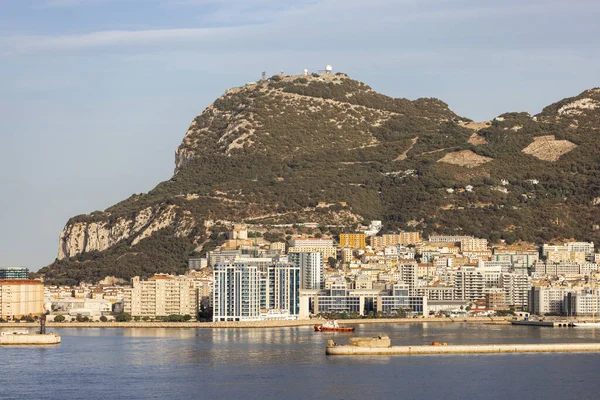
point(349, 350)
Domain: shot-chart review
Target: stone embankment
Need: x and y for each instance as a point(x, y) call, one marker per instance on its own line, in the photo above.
point(255, 324)
point(350, 350)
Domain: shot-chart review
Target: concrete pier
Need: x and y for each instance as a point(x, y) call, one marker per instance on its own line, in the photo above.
point(349, 350)
point(29, 339)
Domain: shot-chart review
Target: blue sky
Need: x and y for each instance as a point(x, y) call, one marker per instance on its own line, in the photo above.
point(95, 95)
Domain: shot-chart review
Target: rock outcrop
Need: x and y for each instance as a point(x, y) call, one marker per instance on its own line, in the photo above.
point(267, 153)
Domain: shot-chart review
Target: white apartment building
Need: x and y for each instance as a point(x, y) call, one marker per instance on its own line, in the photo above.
point(311, 265)
point(548, 300)
point(160, 296)
point(448, 238)
point(311, 242)
point(86, 307)
point(409, 274)
point(473, 244)
point(586, 302)
point(469, 284)
point(516, 289)
point(491, 275)
point(237, 292)
point(436, 293)
point(283, 287)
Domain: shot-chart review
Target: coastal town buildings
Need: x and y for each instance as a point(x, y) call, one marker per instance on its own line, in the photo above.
point(311, 273)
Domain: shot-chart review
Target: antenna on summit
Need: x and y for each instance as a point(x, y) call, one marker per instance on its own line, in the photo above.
point(328, 69)
point(264, 75)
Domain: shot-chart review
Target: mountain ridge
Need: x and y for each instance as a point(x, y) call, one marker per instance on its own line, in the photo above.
point(268, 152)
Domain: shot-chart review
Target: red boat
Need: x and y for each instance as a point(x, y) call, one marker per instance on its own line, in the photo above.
point(332, 326)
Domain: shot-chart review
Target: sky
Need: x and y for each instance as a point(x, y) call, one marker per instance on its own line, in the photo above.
point(95, 95)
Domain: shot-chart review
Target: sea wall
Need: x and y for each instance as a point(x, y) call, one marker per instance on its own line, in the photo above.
point(464, 349)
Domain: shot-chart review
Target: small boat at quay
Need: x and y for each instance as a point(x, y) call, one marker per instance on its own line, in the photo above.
point(584, 324)
point(333, 326)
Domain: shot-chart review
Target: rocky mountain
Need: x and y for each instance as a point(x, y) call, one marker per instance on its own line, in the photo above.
point(269, 152)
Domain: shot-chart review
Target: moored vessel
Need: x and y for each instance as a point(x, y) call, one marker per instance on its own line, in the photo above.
point(584, 324)
point(333, 326)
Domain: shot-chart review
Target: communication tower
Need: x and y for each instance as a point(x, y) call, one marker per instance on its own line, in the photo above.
point(264, 75)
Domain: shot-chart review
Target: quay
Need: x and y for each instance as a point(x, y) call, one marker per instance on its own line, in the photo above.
point(551, 324)
point(381, 346)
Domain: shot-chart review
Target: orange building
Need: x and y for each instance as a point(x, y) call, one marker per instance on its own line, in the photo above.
point(353, 240)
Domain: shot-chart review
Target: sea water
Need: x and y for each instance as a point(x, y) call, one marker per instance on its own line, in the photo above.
point(290, 363)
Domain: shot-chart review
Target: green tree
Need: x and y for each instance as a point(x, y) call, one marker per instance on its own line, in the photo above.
point(123, 317)
point(82, 318)
point(103, 318)
point(59, 318)
point(27, 318)
point(332, 262)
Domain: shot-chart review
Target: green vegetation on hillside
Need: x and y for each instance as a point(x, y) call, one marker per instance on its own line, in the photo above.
point(275, 148)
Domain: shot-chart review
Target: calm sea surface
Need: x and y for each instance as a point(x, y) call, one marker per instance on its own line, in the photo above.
point(290, 363)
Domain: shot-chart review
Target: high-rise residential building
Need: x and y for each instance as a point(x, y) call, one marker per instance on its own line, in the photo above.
point(242, 291)
point(21, 297)
point(469, 284)
point(409, 274)
point(237, 292)
point(311, 266)
point(516, 289)
point(160, 296)
point(284, 287)
point(353, 240)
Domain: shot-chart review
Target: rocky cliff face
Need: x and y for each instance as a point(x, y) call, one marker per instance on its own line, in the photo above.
point(80, 237)
point(269, 152)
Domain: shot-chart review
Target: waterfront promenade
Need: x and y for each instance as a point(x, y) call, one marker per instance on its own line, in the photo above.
point(254, 324)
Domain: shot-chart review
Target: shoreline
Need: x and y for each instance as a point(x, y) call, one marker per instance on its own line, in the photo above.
point(255, 324)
